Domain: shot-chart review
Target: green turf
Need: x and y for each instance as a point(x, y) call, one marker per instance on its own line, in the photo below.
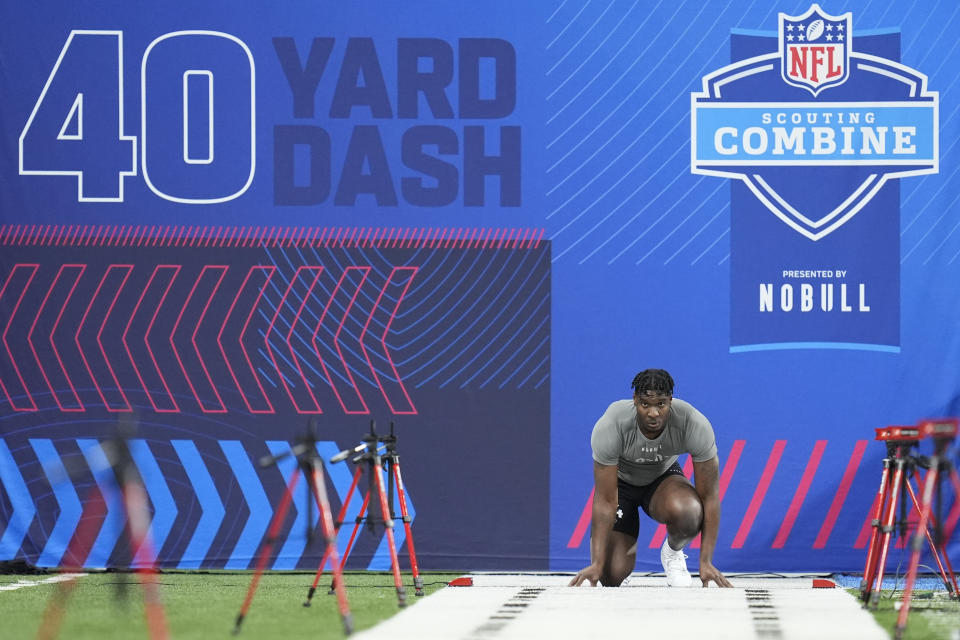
point(204, 606)
point(933, 615)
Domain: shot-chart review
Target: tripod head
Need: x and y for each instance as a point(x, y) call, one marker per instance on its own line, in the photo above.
point(939, 430)
point(304, 449)
point(902, 439)
point(390, 441)
point(903, 450)
point(368, 447)
point(114, 455)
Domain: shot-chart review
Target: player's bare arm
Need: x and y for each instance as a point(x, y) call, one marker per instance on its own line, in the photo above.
point(604, 511)
point(706, 480)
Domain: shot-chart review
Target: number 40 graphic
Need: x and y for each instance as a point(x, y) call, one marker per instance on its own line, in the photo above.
point(197, 118)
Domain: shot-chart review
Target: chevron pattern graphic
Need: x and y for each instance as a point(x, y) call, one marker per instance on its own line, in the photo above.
point(189, 547)
point(328, 323)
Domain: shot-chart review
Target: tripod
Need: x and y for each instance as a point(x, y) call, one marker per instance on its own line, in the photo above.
point(369, 456)
point(118, 461)
point(310, 465)
point(895, 486)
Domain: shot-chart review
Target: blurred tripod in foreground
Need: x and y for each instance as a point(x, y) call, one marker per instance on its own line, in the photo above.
point(117, 463)
point(899, 466)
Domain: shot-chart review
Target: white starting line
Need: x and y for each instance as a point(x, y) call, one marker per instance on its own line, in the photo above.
point(528, 607)
point(22, 583)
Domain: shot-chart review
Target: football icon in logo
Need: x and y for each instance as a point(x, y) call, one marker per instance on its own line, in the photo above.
point(814, 30)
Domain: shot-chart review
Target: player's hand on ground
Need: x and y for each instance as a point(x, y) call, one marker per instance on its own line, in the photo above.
point(709, 573)
point(591, 573)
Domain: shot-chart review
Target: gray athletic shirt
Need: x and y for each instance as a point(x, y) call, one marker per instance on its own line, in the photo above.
point(617, 440)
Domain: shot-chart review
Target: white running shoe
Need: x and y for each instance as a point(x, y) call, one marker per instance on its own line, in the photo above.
point(675, 566)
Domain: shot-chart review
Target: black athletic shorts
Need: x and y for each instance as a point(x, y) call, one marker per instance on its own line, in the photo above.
point(630, 496)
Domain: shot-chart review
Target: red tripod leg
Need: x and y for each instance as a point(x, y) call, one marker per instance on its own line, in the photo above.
point(417, 582)
point(95, 508)
point(917, 545)
point(955, 591)
point(948, 527)
point(869, 570)
point(388, 522)
point(329, 532)
point(950, 522)
point(926, 532)
point(135, 502)
point(353, 537)
point(267, 548)
point(339, 523)
point(887, 529)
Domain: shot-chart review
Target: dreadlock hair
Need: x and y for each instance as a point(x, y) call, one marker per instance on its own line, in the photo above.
point(655, 380)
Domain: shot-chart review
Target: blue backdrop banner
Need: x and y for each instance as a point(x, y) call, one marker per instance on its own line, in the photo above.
point(475, 222)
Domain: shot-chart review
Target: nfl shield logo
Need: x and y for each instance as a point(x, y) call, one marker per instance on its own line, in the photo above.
point(814, 49)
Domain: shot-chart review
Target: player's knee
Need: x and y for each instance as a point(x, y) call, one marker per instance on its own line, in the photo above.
point(686, 515)
point(613, 578)
point(617, 571)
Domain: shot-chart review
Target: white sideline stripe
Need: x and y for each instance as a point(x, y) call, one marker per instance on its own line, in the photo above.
point(542, 606)
point(21, 583)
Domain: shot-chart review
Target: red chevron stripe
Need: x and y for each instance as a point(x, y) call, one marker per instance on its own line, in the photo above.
point(747, 523)
point(410, 409)
point(211, 387)
point(364, 271)
point(865, 530)
point(77, 405)
point(174, 270)
point(112, 377)
point(250, 371)
point(315, 406)
point(841, 495)
point(32, 270)
point(582, 523)
point(794, 510)
point(726, 476)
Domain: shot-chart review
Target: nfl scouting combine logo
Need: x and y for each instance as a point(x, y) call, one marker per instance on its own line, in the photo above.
point(814, 121)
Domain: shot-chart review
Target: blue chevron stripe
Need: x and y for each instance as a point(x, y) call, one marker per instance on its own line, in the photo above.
point(21, 501)
point(210, 503)
point(164, 506)
point(296, 542)
point(67, 499)
point(342, 478)
point(253, 493)
point(113, 521)
point(381, 557)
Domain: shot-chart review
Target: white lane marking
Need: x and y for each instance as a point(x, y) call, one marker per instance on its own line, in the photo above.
point(21, 583)
point(477, 613)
